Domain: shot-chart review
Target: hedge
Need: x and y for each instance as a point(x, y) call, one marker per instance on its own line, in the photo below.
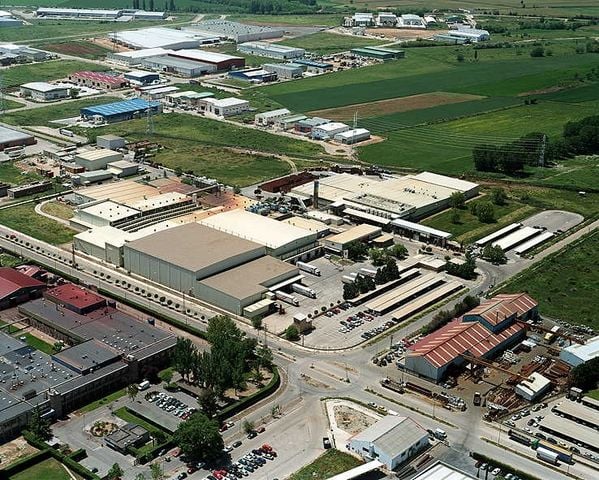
point(152, 453)
point(504, 467)
point(236, 407)
point(78, 455)
point(25, 463)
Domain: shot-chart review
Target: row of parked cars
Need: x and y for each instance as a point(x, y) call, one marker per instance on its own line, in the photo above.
point(246, 465)
point(373, 332)
point(170, 404)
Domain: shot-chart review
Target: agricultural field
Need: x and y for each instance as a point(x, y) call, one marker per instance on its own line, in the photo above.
point(41, 72)
point(77, 48)
point(24, 219)
point(58, 209)
point(310, 20)
point(566, 283)
point(44, 115)
point(49, 469)
point(324, 43)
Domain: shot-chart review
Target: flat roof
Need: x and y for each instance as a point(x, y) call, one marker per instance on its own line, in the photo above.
point(307, 224)
point(585, 352)
point(443, 471)
point(159, 201)
point(352, 212)
point(205, 56)
point(74, 295)
point(262, 230)
point(143, 53)
point(353, 133)
point(97, 154)
point(392, 434)
point(250, 278)
point(87, 355)
point(11, 135)
point(156, 37)
point(355, 233)
point(226, 102)
point(43, 87)
point(445, 181)
point(232, 29)
point(171, 61)
point(166, 89)
point(498, 234)
point(564, 427)
point(193, 246)
point(329, 127)
point(273, 47)
point(417, 227)
point(579, 411)
point(109, 210)
point(273, 113)
point(535, 383)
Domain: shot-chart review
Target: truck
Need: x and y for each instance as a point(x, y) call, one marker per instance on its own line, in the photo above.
point(306, 267)
point(285, 297)
point(476, 399)
point(303, 290)
point(547, 455)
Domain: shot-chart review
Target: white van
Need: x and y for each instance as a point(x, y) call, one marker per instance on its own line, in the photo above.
point(440, 434)
point(144, 385)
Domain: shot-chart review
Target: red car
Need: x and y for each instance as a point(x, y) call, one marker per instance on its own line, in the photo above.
point(266, 447)
point(260, 430)
point(192, 469)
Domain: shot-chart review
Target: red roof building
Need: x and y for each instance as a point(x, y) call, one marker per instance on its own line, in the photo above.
point(104, 81)
point(16, 287)
point(483, 332)
point(75, 298)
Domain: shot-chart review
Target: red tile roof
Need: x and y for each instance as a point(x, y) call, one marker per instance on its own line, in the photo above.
point(457, 338)
point(101, 77)
point(76, 296)
point(12, 281)
point(503, 306)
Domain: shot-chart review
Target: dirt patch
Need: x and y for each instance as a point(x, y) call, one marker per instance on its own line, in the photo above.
point(394, 105)
point(351, 420)
point(541, 91)
point(403, 33)
point(314, 383)
point(79, 49)
point(14, 450)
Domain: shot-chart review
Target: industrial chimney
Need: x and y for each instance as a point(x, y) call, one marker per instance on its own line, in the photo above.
point(315, 194)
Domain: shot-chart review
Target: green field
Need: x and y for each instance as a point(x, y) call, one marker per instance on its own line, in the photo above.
point(9, 173)
point(11, 105)
point(324, 43)
point(314, 20)
point(566, 284)
point(330, 463)
point(49, 469)
point(41, 72)
point(24, 219)
point(45, 114)
point(38, 343)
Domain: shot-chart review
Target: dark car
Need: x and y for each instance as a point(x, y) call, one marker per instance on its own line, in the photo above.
point(252, 434)
point(326, 443)
point(237, 444)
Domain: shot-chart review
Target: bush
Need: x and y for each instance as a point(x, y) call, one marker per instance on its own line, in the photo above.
point(292, 333)
point(537, 52)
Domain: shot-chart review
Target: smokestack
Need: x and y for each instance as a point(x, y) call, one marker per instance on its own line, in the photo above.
point(315, 194)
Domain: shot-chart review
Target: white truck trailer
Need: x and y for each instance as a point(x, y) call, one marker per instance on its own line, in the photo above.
point(306, 267)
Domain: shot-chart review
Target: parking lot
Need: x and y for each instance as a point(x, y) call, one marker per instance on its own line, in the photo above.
point(163, 408)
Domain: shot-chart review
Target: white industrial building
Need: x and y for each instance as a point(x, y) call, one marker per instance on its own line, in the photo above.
point(533, 387)
point(280, 239)
point(43, 91)
point(409, 20)
point(386, 19)
point(270, 117)
point(355, 135)
point(285, 71)
point(360, 233)
point(393, 440)
point(97, 159)
point(329, 130)
point(471, 34)
point(121, 15)
point(161, 37)
point(238, 32)
point(179, 66)
point(443, 471)
point(102, 213)
point(271, 50)
point(577, 354)
point(135, 57)
point(223, 107)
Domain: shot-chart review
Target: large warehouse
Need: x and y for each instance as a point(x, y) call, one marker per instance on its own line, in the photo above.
point(14, 138)
point(119, 111)
point(271, 50)
point(483, 332)
point(280, 239)
point(162, 37)
point(238, 32)
point(410, 197)
point(221, 61)
point(577, 354)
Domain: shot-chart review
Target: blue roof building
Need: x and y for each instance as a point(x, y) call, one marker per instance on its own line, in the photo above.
point(119, 111)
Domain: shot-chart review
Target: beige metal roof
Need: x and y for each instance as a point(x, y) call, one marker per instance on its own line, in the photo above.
point(193, 246)
point(123, 192)
point(393, 435)
point(356, 233)
point(250, 278)
point(98, 154)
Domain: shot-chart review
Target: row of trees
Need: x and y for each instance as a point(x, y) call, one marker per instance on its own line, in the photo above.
point(465, 270)
point(443, 317)
point(381, 256)
point(152, 6)
point(240, 6)
point(511, 157)
point(364, 283)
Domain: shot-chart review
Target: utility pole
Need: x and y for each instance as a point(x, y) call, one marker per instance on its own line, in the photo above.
point(2, 106)
point(542, 151)
point(150, 120)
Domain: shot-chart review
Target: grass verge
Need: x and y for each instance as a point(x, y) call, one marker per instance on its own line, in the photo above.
point(24, 219)
point(103, 401)
point(49, 469)
point(330, 463)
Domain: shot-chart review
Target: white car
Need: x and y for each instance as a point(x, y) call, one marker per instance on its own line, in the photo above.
point(228, 449)
point(497, 471)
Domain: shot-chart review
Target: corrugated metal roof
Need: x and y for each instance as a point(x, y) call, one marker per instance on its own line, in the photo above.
point(500, 307)
point(392, 434)
point(120, 108)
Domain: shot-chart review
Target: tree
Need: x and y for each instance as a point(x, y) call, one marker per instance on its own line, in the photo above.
point(152, 5)
point(140, 476)
point(264, 358)
point(465, 270)
point(398, 251)
point(156, 471)
point(159, 437)
point(457, 200)
point(166, 375)
point(460, 57)
point(498, 196)
point(183, 357)
point(257, 323)
point(537, 52)
point(207, 402)
point(485, 212)
point(248, 426)
point(236, 189)
point(115, 472)
point(198, 438)
point(39, 426)
point(132, 392)
point(350, 290)
point(74, 92)
point(378, 256)
point(455, 216)
point(172, 6)
point(494, 254)
point(292, 333)
point(585, 375)
point(356, 250)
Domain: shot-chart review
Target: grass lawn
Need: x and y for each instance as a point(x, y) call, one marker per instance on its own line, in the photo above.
point(322, 20)
point(45, 114)
point(49, 469)
point(8, 260)
point(9, 173)
point(58, 209)
point(38, 343)
point(565, 284)
point(41, 72)
point(126, 415)
point(11, 105)
point(325, 43)
point(103, 401)
point(470, 228)
point(330, 463)
point(593, 394)
point(24, 219)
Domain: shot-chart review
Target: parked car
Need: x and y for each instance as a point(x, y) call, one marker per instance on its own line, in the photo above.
point(326, 443)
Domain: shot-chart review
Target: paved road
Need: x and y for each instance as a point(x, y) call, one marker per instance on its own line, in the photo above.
point(312, 375)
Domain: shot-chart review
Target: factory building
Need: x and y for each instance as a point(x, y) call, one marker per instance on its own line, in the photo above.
point(119, 111)
point(43, 91)
point(379, 53)
point(102, 213)
point(16, 287)
point(221, 61)
point(7, 20)
point(312, 66)
point(360, 20)
point(281, 240)
point(329, 130)
point(135, 57)
point(97, 159)
point(14, 138)
point(99, 80)
point(472, 335)
point(254, 75)
point(78, 13)
point(110, 142)
point(285, 71)
point(470, 34)
point(270, 117)
point(11, 53)
point(533, 387)
point(386, 19)
point(408, 20)
point(290, 121)
point(161, 37)
point(271, 50)
point(355, 135)
point(140, 78)
point(307, 125)
point(186, 98)
point(238, 32)
point(577, 354)
point(393, 440)
point(224, 107)
point(360, 233)
point(179, 66)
